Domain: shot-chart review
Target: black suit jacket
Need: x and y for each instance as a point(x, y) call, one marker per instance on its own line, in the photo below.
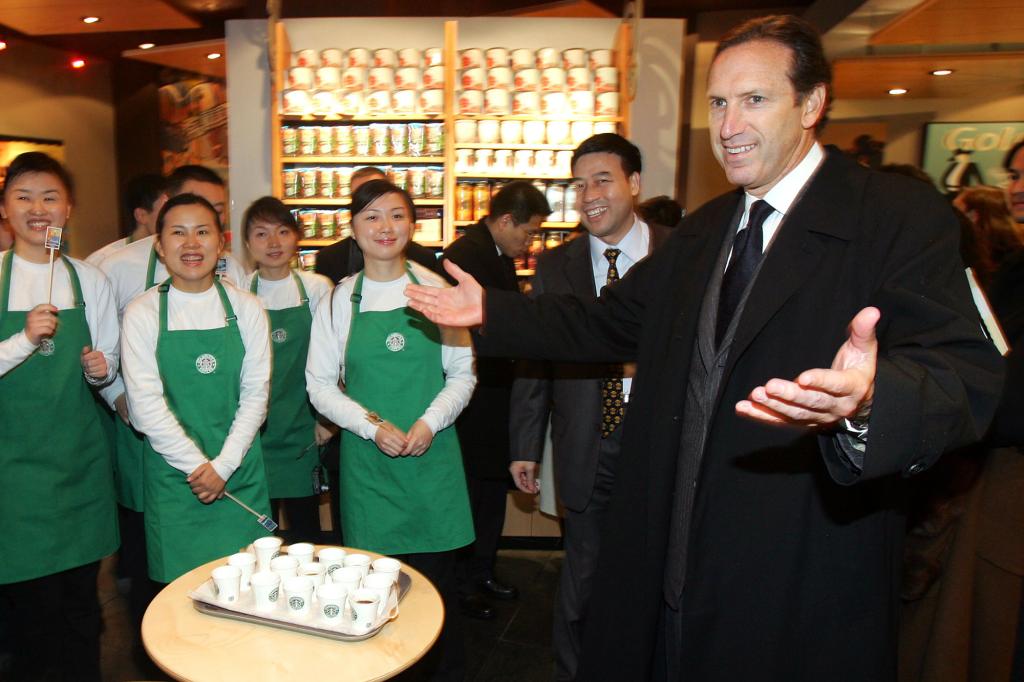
point(792, 570)
point(344, 258)
point(483, 425)
point(568, 393)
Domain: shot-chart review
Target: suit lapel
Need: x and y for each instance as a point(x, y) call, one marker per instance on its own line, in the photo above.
point(578, 269)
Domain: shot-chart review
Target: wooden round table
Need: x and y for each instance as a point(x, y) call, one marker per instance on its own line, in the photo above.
point(193, 646)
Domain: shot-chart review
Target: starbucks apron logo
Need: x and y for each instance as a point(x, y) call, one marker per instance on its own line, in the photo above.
point(206, 363)
point(46, 347)
point(395, 342)
point(279, 335)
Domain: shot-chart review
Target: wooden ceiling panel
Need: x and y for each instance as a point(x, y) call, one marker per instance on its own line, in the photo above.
point(973, 75)
point(187, 57)
point(56, 17)
point(953, 22)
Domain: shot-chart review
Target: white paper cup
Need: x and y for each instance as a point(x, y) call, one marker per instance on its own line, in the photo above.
point(385, 56)
point(471, 102)
point(554, 104)
point(533, 132)
point(332, 56)
point(525, 104)
point(227, 583)
point(433, 56)
point(432, 101)
point(328, 78)
point(404, 101)
point(471, 58)
point(548, 57)
point(360, 561)
point(525, 80)
point(358, 57)
point(381, 78)
point(302, 551)
point(246, 562)
point(607, 104)
point(497, 101)
point(578, 79)
point(296, 102)
point(364, 605)
point(496, 56)
point(285, 566)
point(410, 57)
point(511, 132)
point(488, 131)
point(598, 58)
point(331, 601)
point(407, 78)
point(606, 79)
point(378, 102)
point(332, 558)
point(552, 79)
point(574, 57)
point(522, 58)
point(266, 589)
point(473, 79)
point(354, 78)
point(581, 130)
point(298, 594)
point(499, 77)
point(314, 571)
point(304, 58)
point(382, 585)
point(351, 577)
point(465, 131)
point(433, 77)
point(386, 566)
point(557, 132)
point(266, 549)
point(300, 78)
point(581, 103)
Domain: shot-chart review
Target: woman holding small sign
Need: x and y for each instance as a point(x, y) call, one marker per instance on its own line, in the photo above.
point(58, 342)
point(197, 373)
point(292, 434)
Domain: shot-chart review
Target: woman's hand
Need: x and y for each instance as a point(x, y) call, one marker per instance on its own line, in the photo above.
point(206, 483)
point(323, 432)
point(41, 323)
point(390, 439)
point(418, 439)
point(94, 363)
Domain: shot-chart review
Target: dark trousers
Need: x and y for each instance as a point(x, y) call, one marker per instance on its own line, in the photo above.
point(131, 563)
point(303, 518)
point(446, 660)
point(331, 461)
point(487, 497)
point(55, 626)
point(581, 537)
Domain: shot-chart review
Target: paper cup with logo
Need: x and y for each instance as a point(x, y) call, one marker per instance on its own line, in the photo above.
point(227, 583)
point(526, 80)
point(328, 78)
point(300, 78)
point(607, 104)
point(407, 78)
point(266, 549)
point(552, 79)
point(381, 78)
point(359, 57)
point(499, 77)
point(332, 558)
point(433, 77)
point(511, 132)
point(382, 585)
point(364, 604)
point(285, 566)
point(298, 594)
point(471, 58)
point(331, 601)
point(534, 132)
point(578, 78)
point(574, 57)
point(266, 589)
point(296, 102)
point(353, 78)
point(433, 56)
point(581, 130)
point(488, 131)
point(495, 56)
point(332, 56)
point(385, 56)
point(410, 57)
point(606, 79)
point(471, 102)
point(360, 561)
point(554, 104)
point(432, 101)
point(523, 58)
point(525, 104)
point(473, 79)
point(497, 101)
point(557, 132)
point(304, 58)
point(548, 57)
point(598, 58)
point(246, 563)
point(581, 103)
point(465, 131)
point(378, 102)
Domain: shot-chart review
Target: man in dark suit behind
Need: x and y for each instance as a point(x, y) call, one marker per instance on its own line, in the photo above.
point(756, 532)
point(606, 170)
point(487, 251)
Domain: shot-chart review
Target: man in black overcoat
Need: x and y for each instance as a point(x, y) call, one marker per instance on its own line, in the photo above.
point(756, 533)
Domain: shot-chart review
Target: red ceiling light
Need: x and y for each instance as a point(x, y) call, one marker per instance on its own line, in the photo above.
point(77, 63)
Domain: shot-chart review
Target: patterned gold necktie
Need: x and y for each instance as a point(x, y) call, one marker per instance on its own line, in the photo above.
point(612, 404)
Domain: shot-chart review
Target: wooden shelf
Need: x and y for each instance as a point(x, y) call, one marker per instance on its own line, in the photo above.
point(317, 242)
point(501, 145)
point(383, 118)
point(524, 273)
point(347, 200)
point(545, 225)
point(539, 117)
point(511, 176)
point(362, 159)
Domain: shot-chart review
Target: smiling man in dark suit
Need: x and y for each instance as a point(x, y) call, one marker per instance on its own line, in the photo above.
point(756, 532)
point(585, 402)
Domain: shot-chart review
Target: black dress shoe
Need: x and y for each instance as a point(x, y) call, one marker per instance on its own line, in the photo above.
point(473, 606)
point(493, 588)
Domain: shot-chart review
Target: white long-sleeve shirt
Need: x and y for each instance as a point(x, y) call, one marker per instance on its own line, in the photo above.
point(29, 283)
point(283, 293)
point(329, 337)
point(104, 252)
point(149, 411)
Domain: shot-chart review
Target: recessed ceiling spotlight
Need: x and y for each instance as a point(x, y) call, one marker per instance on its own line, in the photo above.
point(77, 63)
point(897, 91)
point(3, 44)
point(90, 20)
point(942, 72)
point(147, 46)
point(213, 55)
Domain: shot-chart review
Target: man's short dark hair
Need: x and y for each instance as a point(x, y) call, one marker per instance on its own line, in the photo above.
point(182, 174)
point(1008, 159)
point(271, 210)
point(611, 143)
point(366, 171)
point(521, 200)
point(142, 191)
point(661, 210)
point(40, 162)
point(808, 68)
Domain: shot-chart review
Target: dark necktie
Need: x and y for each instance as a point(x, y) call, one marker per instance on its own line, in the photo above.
point(612, 405)
point(747, 249)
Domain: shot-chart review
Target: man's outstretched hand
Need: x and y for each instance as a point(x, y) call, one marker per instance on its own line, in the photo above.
point(823, 397)
point(458, 306)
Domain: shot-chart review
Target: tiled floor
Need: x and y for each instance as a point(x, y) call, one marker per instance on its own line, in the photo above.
point(516, 645)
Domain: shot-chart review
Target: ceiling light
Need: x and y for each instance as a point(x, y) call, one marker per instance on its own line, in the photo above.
point(147, 46)
point(213, 55)
point(3, 44)
point(90, 20)
point(897, 91)
point(942, 72)
point(77, 63)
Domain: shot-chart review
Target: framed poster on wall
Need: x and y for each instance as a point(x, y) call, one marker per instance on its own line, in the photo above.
point(11, 146)
point(959, 155)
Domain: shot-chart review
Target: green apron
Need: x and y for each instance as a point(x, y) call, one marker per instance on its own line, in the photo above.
point(129, 444)
point(289, 451)
point(201, 373)
point(399, 505)
point(57, 507)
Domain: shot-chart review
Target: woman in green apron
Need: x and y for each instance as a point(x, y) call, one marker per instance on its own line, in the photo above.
point(57, 508)
point(292, 435)
point(403, 490)
point(197, 369)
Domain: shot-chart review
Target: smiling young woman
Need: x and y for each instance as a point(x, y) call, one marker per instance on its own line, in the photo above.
point(58, 502)
point(197, 372)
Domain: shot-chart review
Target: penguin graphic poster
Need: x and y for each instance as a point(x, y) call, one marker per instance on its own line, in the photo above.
point(961, 155)
point(961, 173)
